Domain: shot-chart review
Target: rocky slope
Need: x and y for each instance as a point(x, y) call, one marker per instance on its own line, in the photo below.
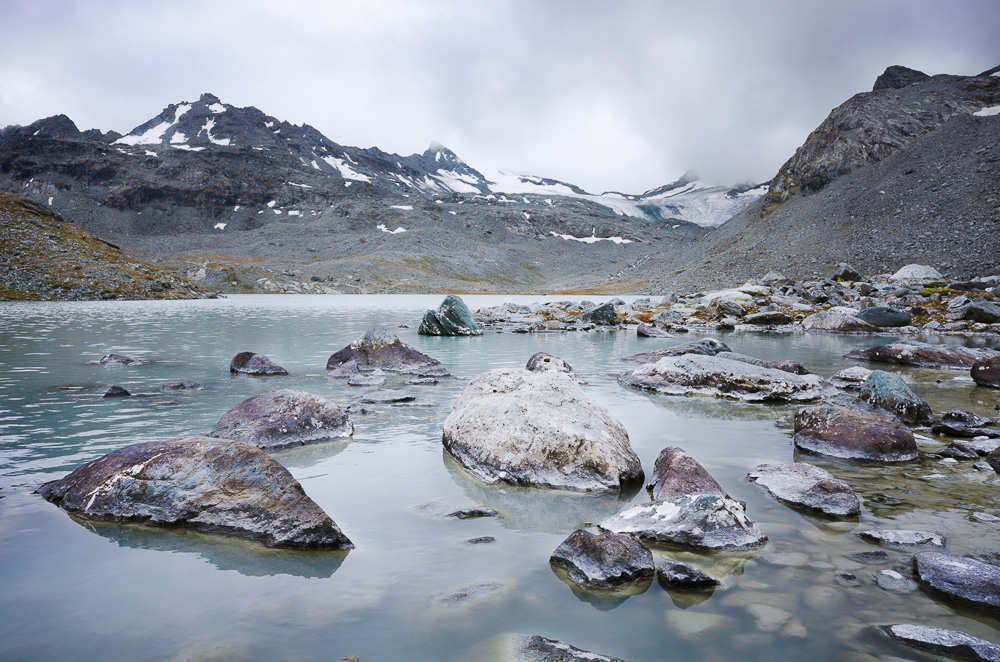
point(906, 173)
point(42, 256)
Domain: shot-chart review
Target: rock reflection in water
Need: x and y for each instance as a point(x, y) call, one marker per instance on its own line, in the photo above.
point(225, 553)
point(603, 600)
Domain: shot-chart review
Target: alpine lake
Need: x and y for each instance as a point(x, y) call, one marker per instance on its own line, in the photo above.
point(415, 587)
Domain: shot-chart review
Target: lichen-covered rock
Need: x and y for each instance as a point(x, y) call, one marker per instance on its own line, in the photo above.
point(706, 346)
point(452, 318)
point(540, 429)
point(807, 487)
point(885, 316)
point(695, 374)
point(212, 485)
point(603, 560)
point(938, 641)
point(838, 320)
point(856, 432)
point(681, 576)
point(542, 362)
point(282, 419)
point(986, 372)
point(678, 474)
point(703, 522)
point(888, 391)
point(912, 352)
point(250, 363)
point(959, 578)
point(380, 348)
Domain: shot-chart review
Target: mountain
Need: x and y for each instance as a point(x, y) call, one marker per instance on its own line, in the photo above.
point(905, 173)
point(206, 183)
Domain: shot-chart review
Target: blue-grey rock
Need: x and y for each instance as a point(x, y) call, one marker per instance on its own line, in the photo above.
point(885, 316)
point(283, 419)
point(855, 432)
point(380, 348)
point(539, 429)
point(888, 391)
point(986, 312)
point(212, 485)
point(959, 578)
point(251, 363)
point(938, 641)
point(603, 560)
point(452, 318)
point(807, 487)
point(603, 315)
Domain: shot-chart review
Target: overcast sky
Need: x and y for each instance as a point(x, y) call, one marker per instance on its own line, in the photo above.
point(622, 95)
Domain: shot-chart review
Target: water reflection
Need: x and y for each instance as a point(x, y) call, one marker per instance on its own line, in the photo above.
point(605, 600)
point(246, 557)
point(531, 509)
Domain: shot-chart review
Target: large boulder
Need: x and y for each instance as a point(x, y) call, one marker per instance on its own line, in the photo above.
point(839, 320)
point(916, 272)
point(768, 317)
point(452, 318)
point(912, 352)
point(847, 273)
point(959, 578)
point(885, 316)
point(855, 432)
point(603, 315)
point(380, 348)
point(986, 372)
point(524, 427)
point(938, 641)
point(282, 419)
point(807, 487)
point(678, 474)
point(961, 423)
point(703, 522)
point(986, 312)
point(212, 485)
point(695, 374)
point(603, 560)
point(888, 391)
point(251, 363)
point(706, 346)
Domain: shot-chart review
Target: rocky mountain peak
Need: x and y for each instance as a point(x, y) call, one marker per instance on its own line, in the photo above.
point(897, 76)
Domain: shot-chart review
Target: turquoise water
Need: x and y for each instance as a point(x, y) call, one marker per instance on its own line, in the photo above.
point(73, 590)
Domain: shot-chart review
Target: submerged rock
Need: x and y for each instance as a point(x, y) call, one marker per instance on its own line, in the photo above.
point(207, 484)
point(603, 560)
point(706, 346)
point(386, 397)
point(522, 648)
point(118, 359)
point(250, 363)
point(539, 429)
point(911, 352)
point(678, 474)
point(694, 374)
point(938, 641)
point(960, 578)
point(681, 576)
point(856, 432)
point(986, 372)
point(117, 392)
point(903, 538)
point(374, 378)
point(180, 387)
point(888, 391)
point(807, 487)
point(452, 318)
point(380, 348)
point(283, 419)
point(703, 522)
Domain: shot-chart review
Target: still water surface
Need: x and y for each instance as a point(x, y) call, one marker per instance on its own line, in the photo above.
point(72, 590)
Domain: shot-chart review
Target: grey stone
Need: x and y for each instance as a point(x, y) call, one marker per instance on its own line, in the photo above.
point(916, 272)
point(647, 331)
point(542, 362)
point(902, 538)
point(847, 273)
point(851, 378)
point(888, 391)
point(540, 429)
point(805, 486)
point(380, 348)
point(986, 312)
point(837, 320)
point(452, 318)
point(179, 387)
point(603, 315)
point(677, 474)
point(885, 316)
point(374, 378)
point(891, 580)
point(118, 359)
point(938, 641)
point(911, 352)
point(681, 576)
point(986, 372)
point(386, 397)
point(959, 578)
point(523, 648)
point(282, 419)
point(251, 363)
point(116, 392)
point(706, 346)
point(216, 486)
point(768, 317)
point(603, 560)
point(857, 432)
